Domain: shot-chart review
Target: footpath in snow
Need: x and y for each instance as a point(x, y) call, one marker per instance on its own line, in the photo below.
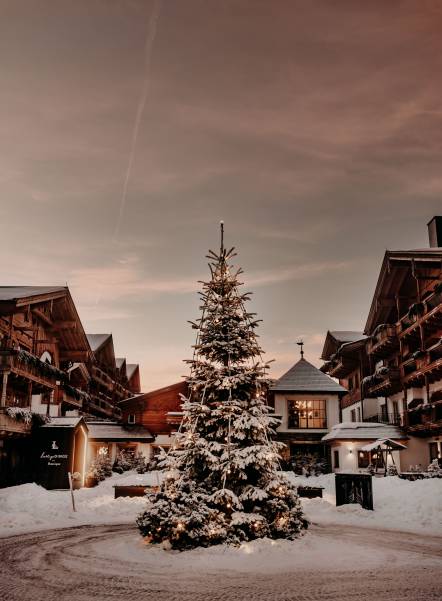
point(398, 505)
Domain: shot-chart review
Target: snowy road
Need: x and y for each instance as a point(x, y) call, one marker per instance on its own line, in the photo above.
point(110, 562)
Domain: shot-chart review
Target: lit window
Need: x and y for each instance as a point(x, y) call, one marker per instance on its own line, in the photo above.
point(307, 414)
point(363, 459)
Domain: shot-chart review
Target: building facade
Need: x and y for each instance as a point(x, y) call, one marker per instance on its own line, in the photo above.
point(307, 403)
point(159, 411)
point(50, 367)
point(393, 370)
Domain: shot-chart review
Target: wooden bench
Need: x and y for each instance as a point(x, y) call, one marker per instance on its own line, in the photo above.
point(133, 490)
point(310, 492)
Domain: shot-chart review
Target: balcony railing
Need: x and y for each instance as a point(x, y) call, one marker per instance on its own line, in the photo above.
point(340, 366)
point(426, 364)
point(428, 311)
point(383, 341)
point(383, 382)
point(30, 367)
point(425, 419)
point(11, 426)
point(393, 419)
point(352, 397)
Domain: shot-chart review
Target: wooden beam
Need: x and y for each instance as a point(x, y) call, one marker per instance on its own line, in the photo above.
point(74, 355)
point(64, 325)
point(26, 328)
point(42, 316)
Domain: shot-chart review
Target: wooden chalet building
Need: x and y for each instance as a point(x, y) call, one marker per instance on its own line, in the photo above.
point(393, 370)
point(159, 411)
point(50, 366)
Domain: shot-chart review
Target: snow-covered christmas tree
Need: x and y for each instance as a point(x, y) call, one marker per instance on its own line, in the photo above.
point(222, 481)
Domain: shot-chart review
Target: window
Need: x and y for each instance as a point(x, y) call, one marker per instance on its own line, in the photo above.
point(131, 418)
point(363, 459)
point(353, 415)
point(350, 383)
point(336, 459)
point(395, 407)
point(359, 414)
point(307, 414)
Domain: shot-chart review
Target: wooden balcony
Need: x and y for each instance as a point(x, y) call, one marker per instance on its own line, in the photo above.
point(384, 341)
point(425, 420)
point(100, 404)
point(31, 368)
point(426, 365)
point(382, 383)
point(340, 367)
point(427, 313)
point(102, 377)
point(72, 396)
point(352, 397)
point(10, 426)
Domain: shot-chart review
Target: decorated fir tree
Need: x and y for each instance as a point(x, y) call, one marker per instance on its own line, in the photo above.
point(222, 481)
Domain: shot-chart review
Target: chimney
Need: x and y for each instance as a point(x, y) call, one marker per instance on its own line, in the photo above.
point(435, 232)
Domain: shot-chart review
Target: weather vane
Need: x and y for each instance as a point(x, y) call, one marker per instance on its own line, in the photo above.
point(301, 344)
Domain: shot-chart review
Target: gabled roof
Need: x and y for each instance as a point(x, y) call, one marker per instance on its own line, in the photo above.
point(11, 293)
point(392, 276)
point(335, 339)
point(131, 369)
point(305, 377)
point(347, 335)
point(65, 422)
point(119, 362)
point(96, 341)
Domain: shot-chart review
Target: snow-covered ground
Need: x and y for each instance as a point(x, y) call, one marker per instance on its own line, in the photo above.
point(399, 505)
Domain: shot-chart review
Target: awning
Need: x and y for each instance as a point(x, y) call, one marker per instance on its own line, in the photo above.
point(384, 443)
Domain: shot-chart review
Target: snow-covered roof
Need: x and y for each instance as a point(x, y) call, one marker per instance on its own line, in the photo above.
point(65, 422)
point(347, 335)
point(384, 443)
point(364, 430)
point(119, 361)
point(97, 340)
point(130, 369)
point(8, 293)
point(111, 431)
point(305, 377)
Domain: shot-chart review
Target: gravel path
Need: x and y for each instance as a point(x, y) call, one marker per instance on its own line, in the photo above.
point(83, 564)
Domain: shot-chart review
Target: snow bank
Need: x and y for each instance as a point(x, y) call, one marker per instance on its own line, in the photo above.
point(399, 505)
point(29, 507)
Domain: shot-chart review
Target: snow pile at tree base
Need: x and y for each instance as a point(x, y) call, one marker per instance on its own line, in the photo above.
point(317, 551)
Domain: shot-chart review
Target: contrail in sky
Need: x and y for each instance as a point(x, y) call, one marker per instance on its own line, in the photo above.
point(150, 39)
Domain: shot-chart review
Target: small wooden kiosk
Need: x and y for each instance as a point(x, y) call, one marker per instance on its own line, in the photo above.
point(61, 448)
